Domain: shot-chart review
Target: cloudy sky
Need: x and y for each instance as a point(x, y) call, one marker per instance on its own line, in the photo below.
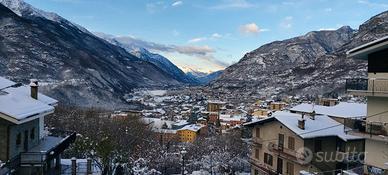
point(209, 35)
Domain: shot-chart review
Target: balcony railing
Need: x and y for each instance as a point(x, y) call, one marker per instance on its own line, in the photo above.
point(368, 129)
point(48, 149)
point(257, 141)
point(285, 152)
point(264, 169)
point(367, 87)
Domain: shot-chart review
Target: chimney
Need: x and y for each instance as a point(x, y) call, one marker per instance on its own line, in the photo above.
point(34, 88)
point(313, 115)
point(301, 122)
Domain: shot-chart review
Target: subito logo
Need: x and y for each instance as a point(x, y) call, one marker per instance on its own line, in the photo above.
point(304, 155)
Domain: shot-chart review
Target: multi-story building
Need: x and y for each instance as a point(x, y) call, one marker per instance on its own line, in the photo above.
point(375, 127)
point(214, 108)
point(289, 143)
point(260, 113)
point(277, 106)
point(189, 133)
point(24, 146)
point(328, 101)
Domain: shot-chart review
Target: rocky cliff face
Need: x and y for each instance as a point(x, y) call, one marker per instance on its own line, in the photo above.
point(313, 64)
point(72, 65)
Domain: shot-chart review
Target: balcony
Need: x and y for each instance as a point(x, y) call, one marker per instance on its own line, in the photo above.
point(48, 149)
point(370, 130)
point(286, 153)
point(367, 87)
point(263, 168)
point(258, 142)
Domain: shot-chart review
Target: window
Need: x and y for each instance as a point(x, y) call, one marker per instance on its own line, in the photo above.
point(258, 132)
point(257, 154)
point(268, 159)
point(291, 143)
point(290, 168)
point(32, 134)
point(256, 172)
point(318, 145)
point(19, 139)
point(281, 140)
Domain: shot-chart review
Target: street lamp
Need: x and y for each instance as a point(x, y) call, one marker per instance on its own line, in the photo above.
point(183, 152)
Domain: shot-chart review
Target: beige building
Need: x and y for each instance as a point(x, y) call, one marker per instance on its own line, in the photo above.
point(328, 101)
point(277, 106)
point(375, 88)
point(280, 141)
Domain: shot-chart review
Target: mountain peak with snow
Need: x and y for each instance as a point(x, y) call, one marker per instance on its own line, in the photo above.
point(26, 10)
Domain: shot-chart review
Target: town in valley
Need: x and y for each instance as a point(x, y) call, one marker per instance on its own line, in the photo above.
point(75, 101)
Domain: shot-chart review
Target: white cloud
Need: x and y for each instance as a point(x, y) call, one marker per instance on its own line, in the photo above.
point(194, 50)
point(216, 35)
point(228, 4)
point(326, 29)
point(213, 36)
point(204, 52)
point(199, 39)
point(328, 9)
point(177, 3)
point(287, 22)
point(251, 28)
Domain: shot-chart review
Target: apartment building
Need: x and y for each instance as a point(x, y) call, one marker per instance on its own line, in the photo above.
point(24, 147)
point(189, 133)
point(289, 143)
point(375, 127)
point(214, 108)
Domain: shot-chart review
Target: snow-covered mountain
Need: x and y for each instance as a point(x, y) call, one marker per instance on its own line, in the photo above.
point(26, 10)
point(72, 65)
point(202, 77)
point(312, 64)
point(137, 48)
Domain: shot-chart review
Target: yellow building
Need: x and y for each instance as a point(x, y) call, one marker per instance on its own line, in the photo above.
point(277, 106)
point(328, 101)
point(375, 88)
point(260, 113)
point(189, 133)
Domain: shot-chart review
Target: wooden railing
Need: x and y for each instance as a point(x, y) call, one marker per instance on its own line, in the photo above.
point(366, 127)
point(372, 86)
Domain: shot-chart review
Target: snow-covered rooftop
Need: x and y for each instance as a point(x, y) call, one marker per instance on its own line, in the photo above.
point(322, 126)
point(157, 123)
point(343, 109)
point(216, 102)
point(17, 105)
point(5, 82)
point(226, 117)
point(193, 127)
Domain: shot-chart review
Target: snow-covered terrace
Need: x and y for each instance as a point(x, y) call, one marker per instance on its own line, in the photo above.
point(341, 110)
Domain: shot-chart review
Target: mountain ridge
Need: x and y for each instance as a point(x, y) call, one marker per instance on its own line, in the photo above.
point(311, 64)
point(73, 66)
